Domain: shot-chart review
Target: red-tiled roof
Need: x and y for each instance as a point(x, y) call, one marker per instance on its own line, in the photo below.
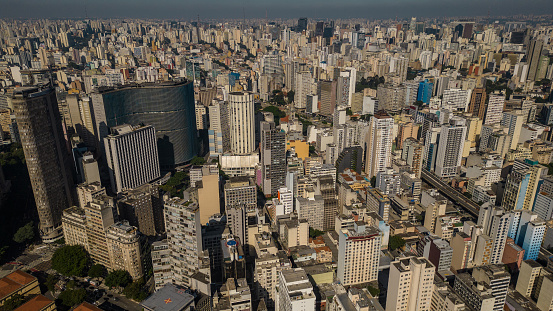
point(35, 304)
point(14, 281)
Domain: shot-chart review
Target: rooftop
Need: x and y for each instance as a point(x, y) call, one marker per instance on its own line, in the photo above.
point(14, 281)
point(168, 298)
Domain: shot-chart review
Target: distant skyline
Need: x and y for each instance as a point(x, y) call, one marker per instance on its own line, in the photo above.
point(214, 9)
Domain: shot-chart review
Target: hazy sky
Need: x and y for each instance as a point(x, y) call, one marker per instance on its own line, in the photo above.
point(210, 9)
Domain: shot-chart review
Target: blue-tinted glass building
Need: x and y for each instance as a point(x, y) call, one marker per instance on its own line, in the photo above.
point(425, 91)
point(168, 107)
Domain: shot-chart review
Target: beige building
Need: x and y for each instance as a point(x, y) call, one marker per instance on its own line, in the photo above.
point(99, 216)
point(207, 192)
point(529, 272)
point(359, 253)
point(410, 284)
point(444, 298)
point(88, 191)
point(461, 244)
point(125, 249)
point(74, 227)
point(294, 232)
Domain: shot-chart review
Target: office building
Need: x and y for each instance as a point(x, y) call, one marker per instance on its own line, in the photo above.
point(515, 190)
point(438, 252)
point(241, 122)
point(295, 291)
point(528, 276)
point(359, 250)
point(132, 157)
point(412, 153)
point(327, 97)
point(240, 191)
point(379, 143)
point(494, 109)
point(425, 91)
point(46, 156)
point(378, 202)
point(168, 107)
point(311, 209)
point(477, 105)
point(450, 148)
point(273, 158)
point(495, 224)
point(410, 284)
point(533, 55)
point(218, 133)
point(143, 208)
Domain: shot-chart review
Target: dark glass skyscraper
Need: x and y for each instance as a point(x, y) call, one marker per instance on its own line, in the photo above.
point(47, 156)
point(168, 107)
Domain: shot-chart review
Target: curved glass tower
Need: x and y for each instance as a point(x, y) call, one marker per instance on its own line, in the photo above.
point(168, 107)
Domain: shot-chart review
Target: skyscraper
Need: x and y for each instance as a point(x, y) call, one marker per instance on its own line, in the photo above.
point(359, 253)
point(295, 292)
point(515, 189)
point(219, 135)
point(410, 284)
point(168, 107)
point(425, 91)
point(46, 155)
point(241, 122)
point(477, 105)
point(132, 157)
point(182, 223)
point(495, 223)
point(273, 158)
point(450, 148)
point(494, 109)
point(533, 57)
point(379, 143)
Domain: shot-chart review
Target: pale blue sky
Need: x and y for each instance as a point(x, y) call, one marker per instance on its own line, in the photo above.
point(208, 9)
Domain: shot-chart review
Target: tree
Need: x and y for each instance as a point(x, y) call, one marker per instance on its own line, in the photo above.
point(14, 302)
point(117, 278)
point(314, 233)
point(70, 298)
point(396, 242)
point(71, 260)
point(373, 290)
point(3, 250)
point(51, 282)
point(197, 161)
point(373, 181)
point(290, 96)
point(97, 271)
point(136, 291)
point(25, 233)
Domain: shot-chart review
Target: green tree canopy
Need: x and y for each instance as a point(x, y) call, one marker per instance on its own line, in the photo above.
point(396, 242)
point(313, 233)
point(97, 271)
point(71, 260)
point(70, 298)
point(25, 233)
point(136, 291)
point(51, 281)
point(197, 161)
point(120, 278)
